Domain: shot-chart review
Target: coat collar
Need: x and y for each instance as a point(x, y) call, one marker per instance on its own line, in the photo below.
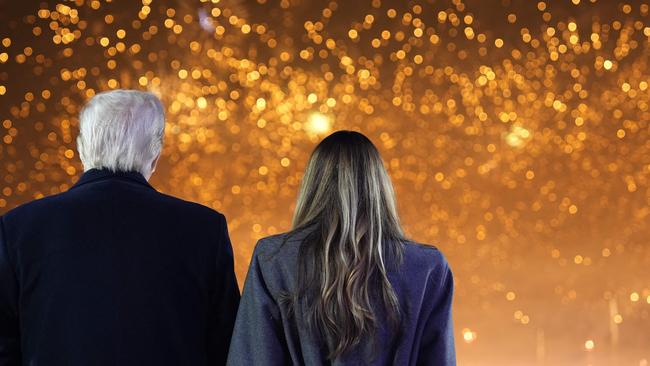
point(94, 175)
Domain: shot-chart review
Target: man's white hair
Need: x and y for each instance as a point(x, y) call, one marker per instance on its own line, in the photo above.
point(121, 130)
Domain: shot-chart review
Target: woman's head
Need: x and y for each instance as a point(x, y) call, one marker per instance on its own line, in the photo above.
point(345, 179)
point(347, 198)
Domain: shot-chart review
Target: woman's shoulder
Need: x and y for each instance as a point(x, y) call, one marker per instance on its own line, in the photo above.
point(276, 258)
point(424, 256)
point(423, 270)
point(278, 242)
point(288, 243)
point(279, 250)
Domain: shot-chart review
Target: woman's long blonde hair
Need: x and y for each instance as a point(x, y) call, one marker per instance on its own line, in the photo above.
point(347, 201)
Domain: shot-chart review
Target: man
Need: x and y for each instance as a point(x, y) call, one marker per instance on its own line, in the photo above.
point(113, 272)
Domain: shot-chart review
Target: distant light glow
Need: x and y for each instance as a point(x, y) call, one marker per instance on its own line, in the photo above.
point(468, 335)
point(517, 137)
point(318, 123)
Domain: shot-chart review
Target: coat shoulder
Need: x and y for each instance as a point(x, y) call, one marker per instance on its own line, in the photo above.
point(71, 201)
point(424, 256)
point(45, 205)
point(192, 207)
point(284, 245)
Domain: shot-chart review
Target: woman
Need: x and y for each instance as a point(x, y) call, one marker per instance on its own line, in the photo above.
point(345, 287)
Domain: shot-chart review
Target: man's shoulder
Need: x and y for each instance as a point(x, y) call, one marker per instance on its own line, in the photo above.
point(190, 207)
point(42, 205)
point(76, 200)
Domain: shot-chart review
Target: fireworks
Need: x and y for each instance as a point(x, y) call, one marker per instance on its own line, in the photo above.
point(516, 134)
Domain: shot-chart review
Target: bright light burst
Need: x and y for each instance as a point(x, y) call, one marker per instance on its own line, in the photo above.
point(319, 123)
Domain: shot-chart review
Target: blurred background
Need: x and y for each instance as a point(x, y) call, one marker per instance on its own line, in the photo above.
point(515, 131)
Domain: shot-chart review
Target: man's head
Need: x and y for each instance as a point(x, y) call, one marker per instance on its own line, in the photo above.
point(122, 130)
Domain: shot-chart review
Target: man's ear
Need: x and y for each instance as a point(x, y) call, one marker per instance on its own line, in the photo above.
point(154, 164)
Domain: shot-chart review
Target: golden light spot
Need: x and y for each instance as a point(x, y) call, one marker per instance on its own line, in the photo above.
point(578, 259)
point(260, 103)
point(318, 123)
point(608, 64)
point(263, 170)
point(517, 137)
point(589, 345)
point(530, 174)
point(618, 318)
point(468, 335)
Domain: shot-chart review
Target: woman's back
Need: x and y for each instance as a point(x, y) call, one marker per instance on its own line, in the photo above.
point(345, 287)
point(271, 330)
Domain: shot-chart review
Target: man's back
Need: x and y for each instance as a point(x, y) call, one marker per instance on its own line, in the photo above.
point(114, 273)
